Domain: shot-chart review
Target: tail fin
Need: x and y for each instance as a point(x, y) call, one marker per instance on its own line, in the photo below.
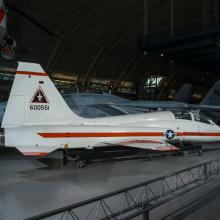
point(184, 94)
point(35, 100)
point(213, 96)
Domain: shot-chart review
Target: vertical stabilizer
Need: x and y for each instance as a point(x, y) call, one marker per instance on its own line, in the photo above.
point(213, 96)
point(184, 94)
point(34, 100)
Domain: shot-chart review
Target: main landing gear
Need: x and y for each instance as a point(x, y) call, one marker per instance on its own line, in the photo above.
point(81, 157)
point(65, 154)
point(192, 148)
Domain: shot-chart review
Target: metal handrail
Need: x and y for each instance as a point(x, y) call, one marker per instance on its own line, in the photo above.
point(205, 172)
point(184, 24)
point(186, 27)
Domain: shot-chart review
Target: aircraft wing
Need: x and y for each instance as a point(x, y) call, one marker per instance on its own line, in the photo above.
point(167, 105)
point(204, 107)
point(146, 144)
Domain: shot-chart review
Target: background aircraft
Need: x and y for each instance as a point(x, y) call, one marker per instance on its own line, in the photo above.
point(2, 109)
point(92, 105)
point(211, 103)
point(184, 94)
point(37, 121)
point(102, 105)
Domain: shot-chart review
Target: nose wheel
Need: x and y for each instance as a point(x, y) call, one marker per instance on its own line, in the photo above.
point(65, 154)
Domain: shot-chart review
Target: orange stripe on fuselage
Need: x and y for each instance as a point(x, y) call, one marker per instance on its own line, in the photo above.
point(122, 134)
point(100, 134)
point(31, 73)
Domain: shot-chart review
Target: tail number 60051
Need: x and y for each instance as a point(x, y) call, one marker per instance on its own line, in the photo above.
point(39, 107)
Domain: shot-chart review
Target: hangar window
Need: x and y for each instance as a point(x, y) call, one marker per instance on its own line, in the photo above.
point(153, 81)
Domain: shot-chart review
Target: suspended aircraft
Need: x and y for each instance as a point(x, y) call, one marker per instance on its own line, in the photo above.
point(7, 43)
point(2, 20)
point(37, 121)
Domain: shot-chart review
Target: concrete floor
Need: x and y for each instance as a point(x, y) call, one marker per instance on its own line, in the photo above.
point(29, 187)
point(200, 204)
point(208, 209)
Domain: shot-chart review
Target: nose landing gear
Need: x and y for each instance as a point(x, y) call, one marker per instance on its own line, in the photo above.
point(65, 154)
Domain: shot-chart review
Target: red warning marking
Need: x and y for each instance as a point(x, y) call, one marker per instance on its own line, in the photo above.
point(31, 73)
point(2, 14)
point(39, 96)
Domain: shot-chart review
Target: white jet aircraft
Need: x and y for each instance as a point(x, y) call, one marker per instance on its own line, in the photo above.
point(37, 121)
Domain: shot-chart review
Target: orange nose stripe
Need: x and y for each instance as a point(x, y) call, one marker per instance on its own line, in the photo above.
point(202, 134)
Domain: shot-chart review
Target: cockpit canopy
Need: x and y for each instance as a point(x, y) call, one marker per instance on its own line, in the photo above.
point(194, 116)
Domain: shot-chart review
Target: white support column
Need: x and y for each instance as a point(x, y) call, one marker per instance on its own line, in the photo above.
point(204, 12)
point(146, 19)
